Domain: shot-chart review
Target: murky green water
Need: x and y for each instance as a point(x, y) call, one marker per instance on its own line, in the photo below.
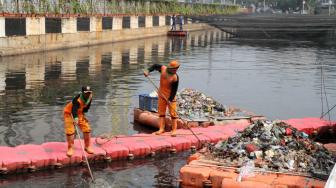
point(279, 79)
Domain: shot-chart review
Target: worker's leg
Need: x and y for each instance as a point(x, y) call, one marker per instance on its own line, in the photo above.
point(69, 132)
point(162, 115)
point(173, 115)
point(85, 127)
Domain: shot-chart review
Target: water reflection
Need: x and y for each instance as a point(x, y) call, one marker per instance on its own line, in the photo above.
point(277, 78)
point(161, 171)
point(34, 88)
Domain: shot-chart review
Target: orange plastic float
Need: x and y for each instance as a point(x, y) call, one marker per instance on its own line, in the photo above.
point(53, 154)
point(57, 150)
point(115, 151)
point(12, 161)
point(151, 119)
point(37, 156)
point(311, 125)
point(197, 174)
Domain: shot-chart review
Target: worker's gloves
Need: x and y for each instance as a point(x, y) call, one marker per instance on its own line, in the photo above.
point(146, 73)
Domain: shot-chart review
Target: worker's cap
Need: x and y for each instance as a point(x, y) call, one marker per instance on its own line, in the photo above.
point(173, 65)
point(86, 89)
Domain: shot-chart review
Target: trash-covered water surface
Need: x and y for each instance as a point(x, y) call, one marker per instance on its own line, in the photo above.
point(274, 146)
point(193, 104)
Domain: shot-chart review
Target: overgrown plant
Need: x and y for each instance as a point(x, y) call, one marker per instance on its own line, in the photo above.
point(118, 7)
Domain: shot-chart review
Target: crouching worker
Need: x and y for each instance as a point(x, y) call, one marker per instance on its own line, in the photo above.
point(169, 81)
point(74, 115)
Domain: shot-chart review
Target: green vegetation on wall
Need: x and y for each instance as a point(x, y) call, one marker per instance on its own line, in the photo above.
point(113, 7)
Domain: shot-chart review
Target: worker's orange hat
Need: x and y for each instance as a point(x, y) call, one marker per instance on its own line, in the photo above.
point(173, 64)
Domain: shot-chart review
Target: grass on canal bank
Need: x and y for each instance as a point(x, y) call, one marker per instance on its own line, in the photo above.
point(115, 7)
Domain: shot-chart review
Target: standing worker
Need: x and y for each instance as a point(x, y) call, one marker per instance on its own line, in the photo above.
point(74, 115)
point(173, 21)
point(181, 21)
point(169, 81)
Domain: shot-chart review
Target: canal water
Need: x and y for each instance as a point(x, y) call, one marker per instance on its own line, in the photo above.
point(279, 79)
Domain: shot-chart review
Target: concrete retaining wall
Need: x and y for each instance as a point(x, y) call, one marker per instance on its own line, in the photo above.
point(36, 38)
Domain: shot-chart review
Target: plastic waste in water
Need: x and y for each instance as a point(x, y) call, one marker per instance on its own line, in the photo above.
point(291, 164)
point(304, 135)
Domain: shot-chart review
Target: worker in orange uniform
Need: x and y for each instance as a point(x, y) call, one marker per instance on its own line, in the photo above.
point(74, 115)
point(169, 81)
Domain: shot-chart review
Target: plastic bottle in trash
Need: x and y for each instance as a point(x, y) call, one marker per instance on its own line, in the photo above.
point(246, 171)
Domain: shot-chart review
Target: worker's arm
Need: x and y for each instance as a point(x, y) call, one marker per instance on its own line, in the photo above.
point(75, 106)
point(173, 91)
point(156, 67)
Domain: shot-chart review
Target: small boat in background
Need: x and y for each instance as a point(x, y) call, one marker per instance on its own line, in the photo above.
point(177, 33)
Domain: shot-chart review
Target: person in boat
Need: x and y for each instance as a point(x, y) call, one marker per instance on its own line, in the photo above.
point(173, 21)
point(181, 22)
point(74, 116)
point(169, 81)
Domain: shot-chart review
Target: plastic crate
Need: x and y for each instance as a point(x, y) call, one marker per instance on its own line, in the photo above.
point(148, 103)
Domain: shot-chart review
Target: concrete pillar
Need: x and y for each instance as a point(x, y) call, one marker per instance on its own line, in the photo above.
point(35, 25)
point(69, 25)
point(96, 24)
point(162, 20)
point(2, 27)
point(2, 76)
point(68, 69)
point(133, 55)
point(117, 23)
point(134, 22)
point(94, 63)
point(149, 21)
point(35, 72)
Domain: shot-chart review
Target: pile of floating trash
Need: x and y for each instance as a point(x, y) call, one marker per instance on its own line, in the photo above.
point(196, 105)
point(273, 146)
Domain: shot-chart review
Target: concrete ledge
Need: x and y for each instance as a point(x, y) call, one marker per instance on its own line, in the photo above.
point(37, 43)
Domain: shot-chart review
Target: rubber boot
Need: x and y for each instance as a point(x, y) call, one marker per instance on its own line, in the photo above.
point(87, 143)
point(70, 140)
point(174, 127)
point(162, 126)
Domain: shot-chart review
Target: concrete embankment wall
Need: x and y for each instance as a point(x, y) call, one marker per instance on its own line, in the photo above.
point(20, 35)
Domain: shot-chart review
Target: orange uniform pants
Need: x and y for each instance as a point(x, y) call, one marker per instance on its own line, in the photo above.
point(69, 126)
point(162, 103)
